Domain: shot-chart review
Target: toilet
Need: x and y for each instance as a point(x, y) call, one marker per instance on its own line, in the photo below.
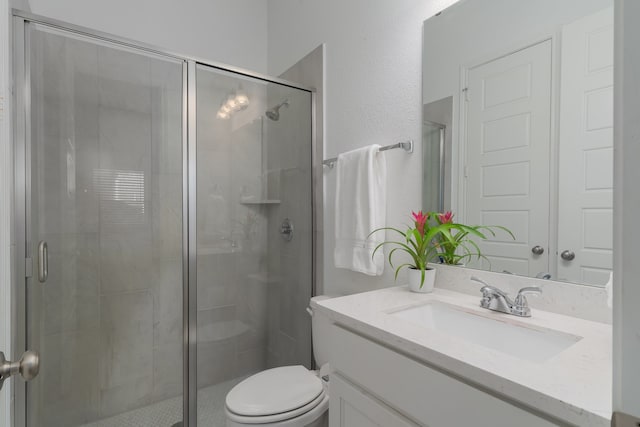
point(287, 396)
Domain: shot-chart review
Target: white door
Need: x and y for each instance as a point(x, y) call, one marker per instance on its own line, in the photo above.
point(507, 157)
point(586, 150)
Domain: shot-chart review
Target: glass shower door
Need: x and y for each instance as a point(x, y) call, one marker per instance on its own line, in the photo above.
point(104, 197)
point(254, 280)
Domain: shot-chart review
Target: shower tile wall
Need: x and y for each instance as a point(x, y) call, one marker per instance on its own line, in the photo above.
point(112, 317)
point(290, 263)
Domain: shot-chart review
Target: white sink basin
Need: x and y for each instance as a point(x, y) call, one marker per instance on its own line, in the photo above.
point(510, 337)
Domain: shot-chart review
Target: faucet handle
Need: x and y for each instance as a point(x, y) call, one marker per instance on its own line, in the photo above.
point(487, 289)
point(530, 290)
point(521, 305)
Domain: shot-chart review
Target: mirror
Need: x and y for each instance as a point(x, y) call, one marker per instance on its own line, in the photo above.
point(518, 131)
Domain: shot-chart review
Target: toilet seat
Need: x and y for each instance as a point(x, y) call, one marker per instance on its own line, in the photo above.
point(301, 414)
point(275, 395)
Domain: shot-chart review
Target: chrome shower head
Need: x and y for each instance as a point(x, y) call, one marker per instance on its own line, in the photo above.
point(274, 113)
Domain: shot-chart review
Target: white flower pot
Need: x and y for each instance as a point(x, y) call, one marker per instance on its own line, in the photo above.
point(414, 280)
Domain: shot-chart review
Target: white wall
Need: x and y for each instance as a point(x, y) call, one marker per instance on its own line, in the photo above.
point(373, 95)
point(228, 31)
point(626, 289)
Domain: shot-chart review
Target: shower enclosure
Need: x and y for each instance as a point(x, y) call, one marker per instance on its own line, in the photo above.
point(164, 210)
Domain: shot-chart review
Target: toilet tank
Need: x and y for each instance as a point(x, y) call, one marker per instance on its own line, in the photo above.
point(320, 327)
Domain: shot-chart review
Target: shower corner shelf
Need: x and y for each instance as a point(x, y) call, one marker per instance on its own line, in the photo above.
point(260, 202)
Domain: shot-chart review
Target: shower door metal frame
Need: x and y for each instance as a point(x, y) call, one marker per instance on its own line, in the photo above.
point(441, 160)
point(22, 176)
point(22, 173)
point(190, 289)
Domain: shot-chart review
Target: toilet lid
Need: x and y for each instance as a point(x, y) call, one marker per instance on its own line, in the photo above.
point(274, 391)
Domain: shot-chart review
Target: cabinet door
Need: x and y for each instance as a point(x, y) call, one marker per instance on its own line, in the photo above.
point(352, 407)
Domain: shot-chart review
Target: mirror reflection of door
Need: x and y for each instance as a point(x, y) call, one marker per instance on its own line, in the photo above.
point(508, 130)
point(509, 103)
point(585, 221)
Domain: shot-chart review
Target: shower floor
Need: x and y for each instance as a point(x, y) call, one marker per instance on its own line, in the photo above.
point(168, 412)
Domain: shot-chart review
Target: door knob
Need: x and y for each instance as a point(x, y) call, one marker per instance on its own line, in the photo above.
point(537, 250)
point(28, 366)
point(567, 255)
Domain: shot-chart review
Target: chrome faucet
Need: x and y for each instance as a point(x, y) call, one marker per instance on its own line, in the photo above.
point(497, 300)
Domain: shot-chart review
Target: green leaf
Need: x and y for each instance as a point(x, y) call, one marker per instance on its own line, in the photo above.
point(399, 268)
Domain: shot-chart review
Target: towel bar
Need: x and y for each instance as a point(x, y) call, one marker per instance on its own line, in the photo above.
point(406, 146)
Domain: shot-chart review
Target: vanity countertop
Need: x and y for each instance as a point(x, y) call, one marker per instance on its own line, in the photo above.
point(575, 385)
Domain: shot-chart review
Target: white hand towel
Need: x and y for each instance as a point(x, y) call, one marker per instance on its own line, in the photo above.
point(361, 198)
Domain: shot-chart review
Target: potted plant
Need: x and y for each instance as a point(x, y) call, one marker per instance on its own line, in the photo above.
point(419, 242)
point(435, 237)
point(455, 241)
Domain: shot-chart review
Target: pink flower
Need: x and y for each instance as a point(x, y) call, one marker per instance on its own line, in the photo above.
point(445, 218)
point(420, 220)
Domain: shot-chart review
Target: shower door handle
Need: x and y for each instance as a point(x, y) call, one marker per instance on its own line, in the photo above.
point(43, 261)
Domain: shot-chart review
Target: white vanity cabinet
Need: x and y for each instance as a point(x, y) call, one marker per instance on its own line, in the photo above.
point(352, 406)
point(373, 385)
